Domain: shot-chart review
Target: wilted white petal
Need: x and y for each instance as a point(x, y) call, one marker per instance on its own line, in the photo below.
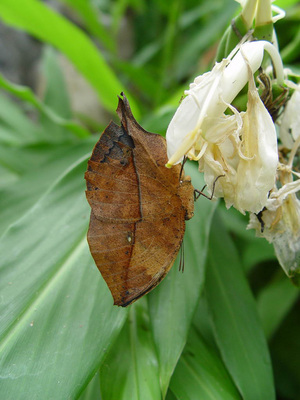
point(277, 198)
point(280, 218)
point(221, 159)
point(286, 240)
point(218, 129)
point(290, 121)
point(256, 171)
point(282, 229)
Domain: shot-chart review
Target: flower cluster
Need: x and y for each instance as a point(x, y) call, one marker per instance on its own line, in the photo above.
point(242, 146)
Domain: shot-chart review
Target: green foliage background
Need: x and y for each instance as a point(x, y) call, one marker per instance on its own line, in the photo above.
point(229, 327)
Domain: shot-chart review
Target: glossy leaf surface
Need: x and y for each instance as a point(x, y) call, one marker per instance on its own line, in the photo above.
point(200, 373)
point(174, 302)
point(57, 319)
point(237, 328)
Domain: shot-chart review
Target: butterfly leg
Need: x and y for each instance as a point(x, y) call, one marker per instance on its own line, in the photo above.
point(198, 193)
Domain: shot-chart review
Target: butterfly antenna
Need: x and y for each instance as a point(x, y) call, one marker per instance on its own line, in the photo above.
point(198, 193)
point(181, 261)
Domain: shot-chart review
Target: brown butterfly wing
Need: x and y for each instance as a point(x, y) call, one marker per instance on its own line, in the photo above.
point(139, 208)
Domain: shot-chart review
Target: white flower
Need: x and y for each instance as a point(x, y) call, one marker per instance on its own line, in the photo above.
point(211, 94)
point(256, 171)
point(280, 225)
point(243, 146)
point(290, 121)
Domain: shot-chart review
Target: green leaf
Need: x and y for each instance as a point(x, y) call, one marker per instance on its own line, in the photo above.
point(291, 50)
point(257, 251)
point(285, 347)
point(285, 4)
point(253, 250)
point(236, 222)
point(138, 77)
point(7, 177)
point(236, 324)
point(173, 303)
point(57, 317)
point(88, 12)
point(205, 34)
point(194, 14)
point(200, 373)
point(42, 22)
point(33, 169)
point(170, 396)
point(55, 94)
point(92, 391)
point(24, 93)
point(280, 292)
point(159, 120)
point(131, 370)
point(202, 322)
point(16, 127)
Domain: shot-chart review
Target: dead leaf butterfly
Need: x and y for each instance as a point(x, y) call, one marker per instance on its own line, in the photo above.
point(139, 208)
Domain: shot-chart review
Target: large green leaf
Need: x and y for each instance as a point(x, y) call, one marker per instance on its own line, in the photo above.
point(257, 251)
point(42, 22)
point(236, 222)
point(57, 317)
point(254, 250)
point(55, 93)
point(203, 324)
point(24, 93)
point(15, 127)
point(171, 396)
point(173, 303)
point(200, 374)
point(280, 292)
point(92, 391)
point(34, 169)
point(131, 369)
point(285, 347)
point(237, 327)
point(33, 155)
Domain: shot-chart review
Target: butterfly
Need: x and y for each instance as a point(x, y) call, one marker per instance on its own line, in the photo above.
point(138, 207)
